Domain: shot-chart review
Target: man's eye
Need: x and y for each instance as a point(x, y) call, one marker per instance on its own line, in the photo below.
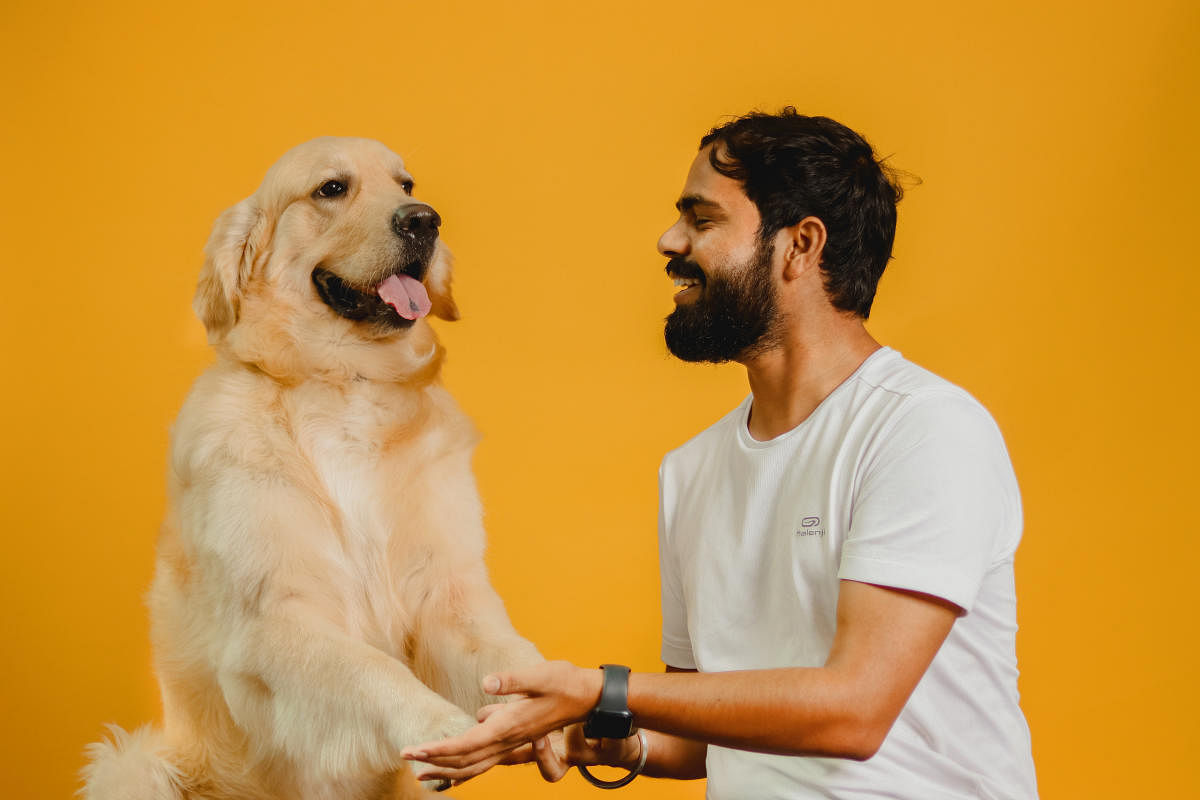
point(701, 222)
point(331, 189)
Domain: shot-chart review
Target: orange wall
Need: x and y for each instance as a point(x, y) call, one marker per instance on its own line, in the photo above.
point(1046, 263)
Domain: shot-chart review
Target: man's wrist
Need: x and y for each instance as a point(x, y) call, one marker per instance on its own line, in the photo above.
point(590, 683)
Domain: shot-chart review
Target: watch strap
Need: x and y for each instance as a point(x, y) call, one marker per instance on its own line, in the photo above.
point(610, 719)
point(614, 694)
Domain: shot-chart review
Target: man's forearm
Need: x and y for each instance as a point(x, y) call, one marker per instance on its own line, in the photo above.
point(795, 711)
point(674, 756)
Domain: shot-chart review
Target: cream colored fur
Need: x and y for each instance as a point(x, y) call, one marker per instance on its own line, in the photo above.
point(320, 598)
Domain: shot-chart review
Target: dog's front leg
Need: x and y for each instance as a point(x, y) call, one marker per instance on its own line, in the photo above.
point(329, 703)
point(467, 636)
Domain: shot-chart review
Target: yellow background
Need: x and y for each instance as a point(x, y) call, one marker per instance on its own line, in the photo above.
point(1047, 263)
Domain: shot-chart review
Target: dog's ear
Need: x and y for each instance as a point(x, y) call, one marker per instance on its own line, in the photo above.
point(235, 240)
point(438, 284)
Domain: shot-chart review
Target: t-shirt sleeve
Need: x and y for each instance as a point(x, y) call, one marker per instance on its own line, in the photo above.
point(937, 504)
point(676, 642)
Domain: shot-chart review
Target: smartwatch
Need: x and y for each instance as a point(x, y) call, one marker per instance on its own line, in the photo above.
point(611, 718)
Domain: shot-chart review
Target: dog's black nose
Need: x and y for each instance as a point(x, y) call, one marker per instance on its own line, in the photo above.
point(416, 221)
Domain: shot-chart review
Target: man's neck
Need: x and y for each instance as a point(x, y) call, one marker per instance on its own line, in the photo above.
point(791, 380)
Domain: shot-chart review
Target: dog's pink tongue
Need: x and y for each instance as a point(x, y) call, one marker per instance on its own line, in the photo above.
point(406, 294)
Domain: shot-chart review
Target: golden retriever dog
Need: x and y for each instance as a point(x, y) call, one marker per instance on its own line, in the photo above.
point(320, 599)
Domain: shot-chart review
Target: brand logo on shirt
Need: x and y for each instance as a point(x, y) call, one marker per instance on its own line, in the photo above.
point(810, 526)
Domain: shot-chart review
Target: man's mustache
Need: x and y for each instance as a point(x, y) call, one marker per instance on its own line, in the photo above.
point(680, 267)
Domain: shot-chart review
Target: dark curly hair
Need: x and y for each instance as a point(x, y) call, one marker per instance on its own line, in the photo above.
point(794, 166)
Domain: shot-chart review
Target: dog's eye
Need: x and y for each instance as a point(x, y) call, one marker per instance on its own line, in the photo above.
point(331, 189)
point(407, 186)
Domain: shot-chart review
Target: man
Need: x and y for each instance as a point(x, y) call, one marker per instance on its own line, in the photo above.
point(836, 552)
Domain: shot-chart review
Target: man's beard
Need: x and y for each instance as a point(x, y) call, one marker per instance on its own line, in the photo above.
point(733, 318)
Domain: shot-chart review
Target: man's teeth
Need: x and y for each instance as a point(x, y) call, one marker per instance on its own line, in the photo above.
point(687, 281)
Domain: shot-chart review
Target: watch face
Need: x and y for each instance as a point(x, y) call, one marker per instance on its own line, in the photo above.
point(608, 724)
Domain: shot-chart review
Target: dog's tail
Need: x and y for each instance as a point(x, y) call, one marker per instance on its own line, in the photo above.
point(130, 766)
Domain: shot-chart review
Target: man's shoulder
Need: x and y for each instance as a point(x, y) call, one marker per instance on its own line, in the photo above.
point(921, 391)
point(932, 415)
point(890, 371)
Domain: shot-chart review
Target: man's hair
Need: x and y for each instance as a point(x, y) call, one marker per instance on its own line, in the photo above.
point(792, 166)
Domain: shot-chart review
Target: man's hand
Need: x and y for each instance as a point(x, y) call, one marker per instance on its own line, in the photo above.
point(558, 751)
point(600, 752)
point(553, 695)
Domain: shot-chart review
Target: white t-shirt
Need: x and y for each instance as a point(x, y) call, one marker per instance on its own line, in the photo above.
point(900, 479)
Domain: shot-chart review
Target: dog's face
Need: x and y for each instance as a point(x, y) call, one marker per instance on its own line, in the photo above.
point(333, 236)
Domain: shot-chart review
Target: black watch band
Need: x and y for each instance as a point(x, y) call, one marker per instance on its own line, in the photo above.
point(611, 718)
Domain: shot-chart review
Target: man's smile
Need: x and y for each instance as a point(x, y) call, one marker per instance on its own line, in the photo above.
point(688, 276)
point(689, 291)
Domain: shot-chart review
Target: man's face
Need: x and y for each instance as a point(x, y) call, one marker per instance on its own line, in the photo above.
point(726, 308)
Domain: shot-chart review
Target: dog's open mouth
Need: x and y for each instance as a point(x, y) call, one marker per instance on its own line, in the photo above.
point(397, 301)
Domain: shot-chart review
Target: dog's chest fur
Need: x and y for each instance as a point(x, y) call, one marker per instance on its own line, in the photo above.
point(372, 456)
point(347, 445)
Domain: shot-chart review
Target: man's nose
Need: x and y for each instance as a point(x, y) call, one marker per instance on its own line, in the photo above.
point(416, 221)
point(672, 242)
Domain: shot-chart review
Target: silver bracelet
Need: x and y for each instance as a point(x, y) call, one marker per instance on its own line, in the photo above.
point(617, 784)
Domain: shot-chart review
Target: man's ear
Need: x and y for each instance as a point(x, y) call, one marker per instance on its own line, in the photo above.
point(236, 238)
point(438, 283)
point(804, 245)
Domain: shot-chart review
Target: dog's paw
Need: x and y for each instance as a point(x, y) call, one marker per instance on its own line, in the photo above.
point(452, 724)
point(414, 728)
point(445, 726)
